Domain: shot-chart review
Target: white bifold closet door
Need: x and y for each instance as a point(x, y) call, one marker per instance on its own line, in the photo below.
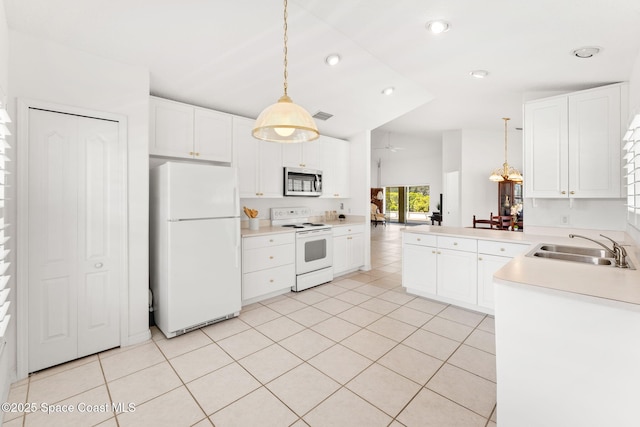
point(75, 193)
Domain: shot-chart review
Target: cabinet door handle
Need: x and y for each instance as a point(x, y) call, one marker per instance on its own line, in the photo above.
point(433, 252)
point(572, 192)
point(270, 280)
point(98, 265)
point(197, 154)
point(439, 253)
point(479, 258)
point(271, 240)
point(271, 257)
point(501, 249)
point(564, 192)
point(418, 239)
point(191, 153)
point(455, 243)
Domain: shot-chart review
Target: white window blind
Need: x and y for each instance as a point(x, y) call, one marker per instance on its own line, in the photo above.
point(5, 234)
point(631, 148)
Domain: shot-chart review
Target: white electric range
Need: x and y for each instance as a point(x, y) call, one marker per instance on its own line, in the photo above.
point(314, 246)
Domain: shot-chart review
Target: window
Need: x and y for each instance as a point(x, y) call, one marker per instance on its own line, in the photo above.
point(5, 301)
point(631, 155)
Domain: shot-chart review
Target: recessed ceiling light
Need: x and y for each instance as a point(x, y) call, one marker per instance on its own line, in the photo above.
point(586, 52)
point(438, 26)
point(479, 74)
point(332, 59)
point(388, 90)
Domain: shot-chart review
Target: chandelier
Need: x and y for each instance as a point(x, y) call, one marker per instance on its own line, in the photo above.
point(285, 121)
point(506, 172)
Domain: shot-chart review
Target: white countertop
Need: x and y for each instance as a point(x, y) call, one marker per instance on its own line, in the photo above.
point(596, 281)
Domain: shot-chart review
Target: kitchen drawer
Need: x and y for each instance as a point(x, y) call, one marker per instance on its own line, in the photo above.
point(268, 240)
point(348, 229)
point(419, 239)
point(501, 248)
point(263, 258)
point(265, 282)
point(457, 243)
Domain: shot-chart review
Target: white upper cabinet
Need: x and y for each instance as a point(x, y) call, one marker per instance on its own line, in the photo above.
point(302, 155)
point(171, 130)
point(212, 138)
point(335, 167)
point(259, 163)
point(184, 131)
point(572, 144)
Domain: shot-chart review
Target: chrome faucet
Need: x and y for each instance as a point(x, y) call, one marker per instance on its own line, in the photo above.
point(618, 252)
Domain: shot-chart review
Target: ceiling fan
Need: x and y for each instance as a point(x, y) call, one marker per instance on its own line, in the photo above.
point(392, 148)
point(389, 146)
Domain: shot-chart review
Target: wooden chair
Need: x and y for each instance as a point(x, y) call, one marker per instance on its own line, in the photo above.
point(503, 221)
point(490, 222)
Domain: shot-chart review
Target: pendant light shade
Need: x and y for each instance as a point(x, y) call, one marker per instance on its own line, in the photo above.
point(506, 172)
point(285, 121)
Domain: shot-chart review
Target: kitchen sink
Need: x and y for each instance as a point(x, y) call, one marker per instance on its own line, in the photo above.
point(586, 259)
point(576, 250)
point(593, 256)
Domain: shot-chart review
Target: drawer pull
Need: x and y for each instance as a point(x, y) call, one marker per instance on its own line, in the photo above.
point(455, 243)
point(271, 257)
point(418, 239)
point(270, 280)
point(271, 240)
point(501, 249)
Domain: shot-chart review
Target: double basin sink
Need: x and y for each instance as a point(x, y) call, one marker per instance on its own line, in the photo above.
point(578, 254)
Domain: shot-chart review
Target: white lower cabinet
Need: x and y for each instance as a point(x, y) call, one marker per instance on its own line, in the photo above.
point(492, 256)
point(419, 250)
point(348, 248)
point(455, 270)
point(268, 266)
point(457, 275)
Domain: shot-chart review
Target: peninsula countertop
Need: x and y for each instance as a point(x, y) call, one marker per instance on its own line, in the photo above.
point(596, 281)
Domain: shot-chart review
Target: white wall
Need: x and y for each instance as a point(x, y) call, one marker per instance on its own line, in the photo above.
point(419, 162)
point(47, 71)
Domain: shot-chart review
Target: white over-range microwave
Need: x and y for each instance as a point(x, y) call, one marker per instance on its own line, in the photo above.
point(302, 182)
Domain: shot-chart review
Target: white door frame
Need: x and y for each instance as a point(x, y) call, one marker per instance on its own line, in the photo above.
point(22, 196)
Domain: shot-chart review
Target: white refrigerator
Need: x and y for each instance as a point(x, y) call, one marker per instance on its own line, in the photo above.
point(194, 245)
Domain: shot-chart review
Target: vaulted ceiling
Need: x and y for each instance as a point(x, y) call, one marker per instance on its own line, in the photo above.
point(227, 55)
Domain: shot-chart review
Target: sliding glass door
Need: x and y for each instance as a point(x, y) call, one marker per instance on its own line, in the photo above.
point(410, 204)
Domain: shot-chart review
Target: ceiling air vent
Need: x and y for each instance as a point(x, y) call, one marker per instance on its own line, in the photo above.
point(321, 115)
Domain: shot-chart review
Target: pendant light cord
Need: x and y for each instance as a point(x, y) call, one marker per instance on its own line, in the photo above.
point(506, 165)
point(285, 48)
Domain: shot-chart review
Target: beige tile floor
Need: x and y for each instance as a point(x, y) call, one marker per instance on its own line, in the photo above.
point(354, 352)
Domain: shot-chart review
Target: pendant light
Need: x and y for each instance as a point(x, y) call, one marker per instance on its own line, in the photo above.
point(285, 121)
point(506, 172)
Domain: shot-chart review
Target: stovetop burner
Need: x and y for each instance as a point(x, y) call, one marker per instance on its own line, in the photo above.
point(311, 224)
point(293, 226)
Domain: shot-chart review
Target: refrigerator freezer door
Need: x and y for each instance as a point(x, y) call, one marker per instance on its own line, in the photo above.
point(201, 191)
point(204, 272)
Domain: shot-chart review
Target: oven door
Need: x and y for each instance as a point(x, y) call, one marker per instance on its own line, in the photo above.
point(314, 250)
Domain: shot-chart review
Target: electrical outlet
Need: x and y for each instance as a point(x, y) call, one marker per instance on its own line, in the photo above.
point(565, 219)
